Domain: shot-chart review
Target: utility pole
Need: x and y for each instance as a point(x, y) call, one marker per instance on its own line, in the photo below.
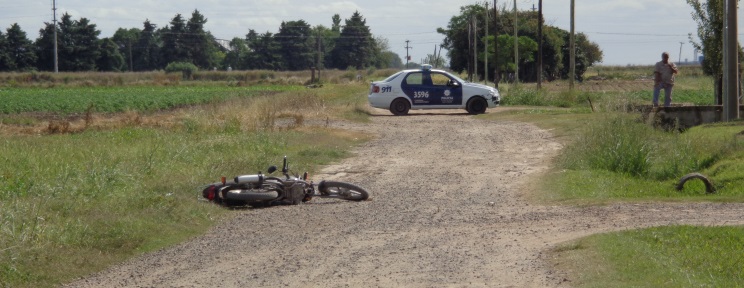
point(516, 46)
point(56, 61)
point(475, 47)
point(439, 55)
point(131, 62)
point(539, 44)
point(730, 63)
point(470, 50)
point(680, 52)
point(485, 57)
point(320, 54)
point(572, 47)
point(496, 74)
point(407, 56)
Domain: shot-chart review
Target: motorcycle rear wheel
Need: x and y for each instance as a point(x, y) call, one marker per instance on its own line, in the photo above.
point(342, 190)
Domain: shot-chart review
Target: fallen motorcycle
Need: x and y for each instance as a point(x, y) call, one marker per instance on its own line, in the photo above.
point(259, 190)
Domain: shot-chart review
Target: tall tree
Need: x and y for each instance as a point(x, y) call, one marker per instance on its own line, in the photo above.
point(355, 46)
point(336, 27)
point(382, 57)
point(126, 39)
point(456, 39)
point(6, 62)
point(326, 39)
point(19, 49)
point(265, 51)
point(587, 53)
point(147, 55)
point(77, 41)
point(200, 45)
point(296, 45)
point(505, 57)
point(175, 45)
point(79, 48)
point(110, 58)
point(45, 47)
point(237, 57)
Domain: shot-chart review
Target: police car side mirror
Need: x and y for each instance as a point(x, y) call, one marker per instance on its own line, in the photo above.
point(452, 83)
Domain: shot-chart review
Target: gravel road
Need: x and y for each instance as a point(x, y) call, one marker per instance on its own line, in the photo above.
point(448, 209)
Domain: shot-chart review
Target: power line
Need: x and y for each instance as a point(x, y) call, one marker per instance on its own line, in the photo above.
point(638, 34)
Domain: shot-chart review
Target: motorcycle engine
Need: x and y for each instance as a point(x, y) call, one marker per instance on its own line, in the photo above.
point(295, 193)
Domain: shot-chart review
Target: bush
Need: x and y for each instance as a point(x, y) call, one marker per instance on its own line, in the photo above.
point(188, 69)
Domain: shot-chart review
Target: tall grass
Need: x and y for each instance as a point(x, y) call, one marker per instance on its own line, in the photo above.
point(515, 95)
point(622, 144)
point(617, 144)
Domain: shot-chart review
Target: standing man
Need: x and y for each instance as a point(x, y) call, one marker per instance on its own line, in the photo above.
point(664, 72)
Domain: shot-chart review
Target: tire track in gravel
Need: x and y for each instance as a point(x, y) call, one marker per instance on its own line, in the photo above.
point(447, 209)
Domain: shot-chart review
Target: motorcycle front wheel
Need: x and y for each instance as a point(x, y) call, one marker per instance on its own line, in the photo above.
point(342, 190)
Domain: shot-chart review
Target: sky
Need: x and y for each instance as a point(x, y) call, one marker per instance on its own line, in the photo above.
point(629, 32)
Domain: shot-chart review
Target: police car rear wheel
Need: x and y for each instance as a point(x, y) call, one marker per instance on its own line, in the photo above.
point(477, 105)
point(399, 107)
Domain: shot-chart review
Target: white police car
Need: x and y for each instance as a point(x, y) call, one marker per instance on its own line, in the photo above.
point(431, 89)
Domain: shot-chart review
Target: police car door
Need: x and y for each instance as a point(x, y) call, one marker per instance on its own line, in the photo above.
point(427, 88)
point(417, 89)
point(445, 91)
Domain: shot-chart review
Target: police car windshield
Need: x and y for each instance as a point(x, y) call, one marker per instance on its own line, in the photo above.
point(458, 78)
point(392, 77)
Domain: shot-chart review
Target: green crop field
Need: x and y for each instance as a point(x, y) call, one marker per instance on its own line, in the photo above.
point(71, 100)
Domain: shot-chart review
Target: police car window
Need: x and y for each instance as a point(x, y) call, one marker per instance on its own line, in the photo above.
point(414, 79)
point(391, 78)
point(439, 79)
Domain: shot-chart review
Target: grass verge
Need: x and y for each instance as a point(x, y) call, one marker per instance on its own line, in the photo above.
point(675, 256)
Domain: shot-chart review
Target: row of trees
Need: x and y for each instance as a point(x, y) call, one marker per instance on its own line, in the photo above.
point(555, 42)
point(297, 46)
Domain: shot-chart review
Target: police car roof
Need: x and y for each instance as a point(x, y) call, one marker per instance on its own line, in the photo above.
point(425, 67)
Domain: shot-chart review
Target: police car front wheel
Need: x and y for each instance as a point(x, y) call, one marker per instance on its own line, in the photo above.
point(477, 105)
point(399, 107)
